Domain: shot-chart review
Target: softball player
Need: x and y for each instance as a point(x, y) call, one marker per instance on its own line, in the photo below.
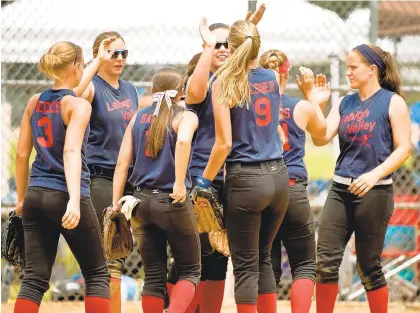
point(114, 102)
point(297, 229)
point(55, 199)
point(373, 126)
point(209, 296)
point(246, 105)
point(158, 144)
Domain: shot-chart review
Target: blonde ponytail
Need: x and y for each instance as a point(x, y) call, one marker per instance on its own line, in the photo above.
point(232, 77)
point(58, 57)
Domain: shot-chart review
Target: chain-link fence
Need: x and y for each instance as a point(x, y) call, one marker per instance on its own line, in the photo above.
point(316, 34)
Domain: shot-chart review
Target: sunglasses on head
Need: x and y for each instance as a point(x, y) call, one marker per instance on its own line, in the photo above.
point(220, 44)
point(124, 54)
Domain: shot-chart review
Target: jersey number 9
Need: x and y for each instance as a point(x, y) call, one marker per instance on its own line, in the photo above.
point(263, 109)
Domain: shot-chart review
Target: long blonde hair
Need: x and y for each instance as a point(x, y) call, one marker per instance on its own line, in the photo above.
point(58, 57)
point(232, 77)
point(167, 78)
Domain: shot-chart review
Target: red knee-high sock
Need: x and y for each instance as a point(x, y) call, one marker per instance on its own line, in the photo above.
point(211, 297)
point(192, 307)
point(181, 297)
point(267, 303)
point(151, 304)
point(246, 308)
point(378, 300)
point(25, 306)
point(169, 287)
point(326, 294)
point(97, 305)
point(115, 294)
point(301, 295)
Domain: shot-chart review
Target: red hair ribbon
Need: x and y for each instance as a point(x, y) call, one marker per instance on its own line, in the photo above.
point(284, 68)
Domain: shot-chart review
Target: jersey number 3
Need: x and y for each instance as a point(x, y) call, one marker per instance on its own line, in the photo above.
point(263, 109)
point(47, 140)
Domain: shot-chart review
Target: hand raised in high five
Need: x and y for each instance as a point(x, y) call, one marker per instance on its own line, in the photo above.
point(256, 17)
point(322, 90)
point(104, 53)
point(209, 39)
point(315, 89)
point(306, 85)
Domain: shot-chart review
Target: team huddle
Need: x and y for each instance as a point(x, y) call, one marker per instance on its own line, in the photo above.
point(225, 140)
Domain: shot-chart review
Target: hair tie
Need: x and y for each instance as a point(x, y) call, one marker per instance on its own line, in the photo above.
point(158, 97)
point(248, 37)
point(285, 67)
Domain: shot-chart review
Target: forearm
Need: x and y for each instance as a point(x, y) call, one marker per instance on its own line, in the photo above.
point(281, 134)
point(319, 142)
point(22, 177)
point(329, 134)
point(218, 157)
point(88, 74)
point(393, 162)
point(182, 158)
point(73, 173)
point(320, 124)
point(119, 181)
point(198, 85)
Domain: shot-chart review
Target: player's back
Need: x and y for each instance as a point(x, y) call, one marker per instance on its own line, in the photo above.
point(254, 131)
point(49, 133)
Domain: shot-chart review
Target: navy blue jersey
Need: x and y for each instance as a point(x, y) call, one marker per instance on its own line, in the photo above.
point(206, 136)
point(365, 133)
point(152, 173)
point(112, 110)
point(255, 136)
point(48, 135)
point(294, 148)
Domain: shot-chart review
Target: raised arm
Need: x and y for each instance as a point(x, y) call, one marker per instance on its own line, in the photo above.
point(197, 85)
point(309, 115)
point(223, 142)
point(85, 88)
point(256, 17)
point(333, 121)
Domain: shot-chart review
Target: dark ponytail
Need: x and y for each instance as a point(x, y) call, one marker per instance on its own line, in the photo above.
point(390, 78)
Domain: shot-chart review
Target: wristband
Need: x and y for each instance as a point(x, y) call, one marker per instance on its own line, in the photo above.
point(203, 182)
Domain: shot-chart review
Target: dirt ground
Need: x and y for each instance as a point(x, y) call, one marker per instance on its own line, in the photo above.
point(282, 307)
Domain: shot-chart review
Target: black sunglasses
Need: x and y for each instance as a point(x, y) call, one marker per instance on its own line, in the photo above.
point(220, 44)
point(124, 54)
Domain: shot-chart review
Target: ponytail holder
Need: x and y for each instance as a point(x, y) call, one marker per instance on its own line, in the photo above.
point(248, 37)
point(158, 97)
point(284, 68)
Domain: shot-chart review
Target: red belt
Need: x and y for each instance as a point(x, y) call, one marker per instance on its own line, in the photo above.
point(292, 182)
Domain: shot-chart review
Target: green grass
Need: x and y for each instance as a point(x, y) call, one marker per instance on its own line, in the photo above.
point(319, 161)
